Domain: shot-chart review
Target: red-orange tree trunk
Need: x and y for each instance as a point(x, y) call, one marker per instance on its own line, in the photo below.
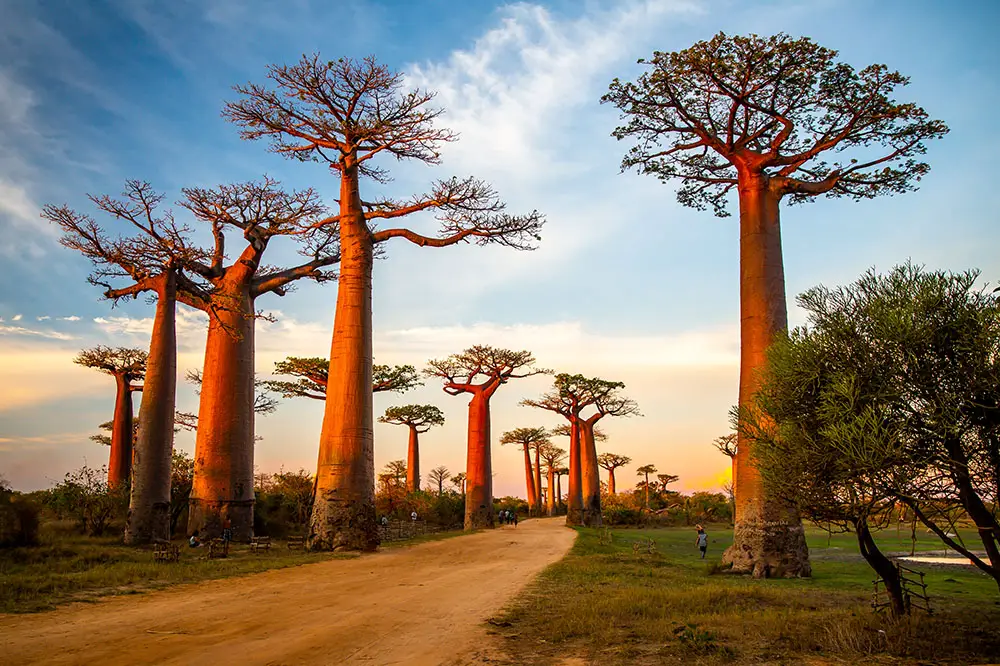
point(223, 465)
point(767, 537)
point(529, 481)
point(120, 461)
point(479, 465)
point(590, 476)
point(574, 490)
point(550, 500)
point(538, 481)
point(413, 462)
point(344, 509)
point(611, 481)
point(149, 503)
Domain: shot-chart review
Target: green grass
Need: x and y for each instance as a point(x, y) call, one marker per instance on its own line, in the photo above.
point(609, 606)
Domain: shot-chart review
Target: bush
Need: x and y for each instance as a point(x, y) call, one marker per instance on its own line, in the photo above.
point(85, 496)
point(18, 519)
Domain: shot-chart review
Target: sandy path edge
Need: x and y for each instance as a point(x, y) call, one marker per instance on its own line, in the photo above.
point(419, 605)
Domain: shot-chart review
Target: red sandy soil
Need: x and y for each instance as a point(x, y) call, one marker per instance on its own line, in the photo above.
point(419, 605)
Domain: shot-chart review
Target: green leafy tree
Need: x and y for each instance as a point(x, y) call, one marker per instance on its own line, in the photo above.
point(772, 119)
point(311, 377)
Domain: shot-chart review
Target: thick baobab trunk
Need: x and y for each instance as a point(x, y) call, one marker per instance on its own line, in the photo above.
point(479, 466)
point(223, 458)
point(120, 461)
point(550, 499)
point(149, 503)
point(574, 491)
point(768, 536)
point(590, 476)
point(611, 481)
point(883, 566)
point(529, 479)
point(413, 462)
point(538, 481)
point(343, 516)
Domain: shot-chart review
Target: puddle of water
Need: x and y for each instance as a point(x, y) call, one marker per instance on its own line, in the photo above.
point(930, 559)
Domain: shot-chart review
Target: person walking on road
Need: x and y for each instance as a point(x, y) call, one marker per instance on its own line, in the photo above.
point(702, 540)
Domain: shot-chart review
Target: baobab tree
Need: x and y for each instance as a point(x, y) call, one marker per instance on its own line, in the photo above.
point(645, 471)
point(560, 473)
point(480, 371)
point(529, 439)
point(343, 114)
point(259, 212)
point(419, 419)
point(263, 403)
point(665, 480)
point(126, 366)
point(437, 477)
point(153, 260)
point(569, 397)
point(611, 462)
point(771, 117)
point(726, 444)
point(311, 378)
point(553, 457)
point(459, 481)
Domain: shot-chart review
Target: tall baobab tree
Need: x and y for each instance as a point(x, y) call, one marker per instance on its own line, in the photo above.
point(259, 212)
point(646, 470)
point(480, 371)
point(344, 114)
point(153, 260)
point(553, 457)
point(530, 439)
point(126, 366)
point(560, 473)
point(771, 117)
point(419, 419)
point(437, 477)
point(311, 378)
point(570, 396)
point(611, 462)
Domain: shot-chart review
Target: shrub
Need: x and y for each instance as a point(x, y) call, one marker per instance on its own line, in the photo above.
point(85, 496)
point(18, 519)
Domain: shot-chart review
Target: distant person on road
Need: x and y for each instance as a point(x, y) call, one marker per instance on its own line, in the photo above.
point(514, 516)
point(702, 540)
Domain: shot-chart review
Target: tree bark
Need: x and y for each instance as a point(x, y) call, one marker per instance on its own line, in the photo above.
point(558, 489)
point(529, 478)
point(149, 504)
point(768, 536)
point(590, 475)
point(413, 462)
point(574, 492)
point(647, 492)
point(479, 466)
point(611, 481)
point(538, 481)
point(343, 516)
point(120, 461)
point(882, 565)
point(550, 501)
point(224, 448)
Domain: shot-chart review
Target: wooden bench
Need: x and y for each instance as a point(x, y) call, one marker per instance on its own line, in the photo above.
point(296, 543)
point(257, 544)
point(218, 548)
point(164, 551)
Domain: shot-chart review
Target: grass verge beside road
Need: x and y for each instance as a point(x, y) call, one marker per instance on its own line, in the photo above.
point(608, 605)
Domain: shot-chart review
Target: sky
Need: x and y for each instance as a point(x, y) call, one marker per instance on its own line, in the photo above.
point(626, 283)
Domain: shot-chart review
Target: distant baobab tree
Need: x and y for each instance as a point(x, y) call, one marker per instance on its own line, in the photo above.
point(560, 473)
point(459, 482)
point(153, 260)
point(665, 480)
point(611, 462)
point(530, 439)
point(645, 471)
point(418, 419)
point(570, 396)
point(726, 444)
point(437, 477)
point(343, 114)
point(553, 457)
point(480, 371)
point(769, 118)
point(311, 374)
point(126, 366)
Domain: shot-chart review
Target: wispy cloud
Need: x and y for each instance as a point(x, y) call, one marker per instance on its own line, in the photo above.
point(16, 317)
point(20, 330)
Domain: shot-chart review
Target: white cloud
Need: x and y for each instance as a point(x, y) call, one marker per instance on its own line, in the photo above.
point(16, 317)
point(20, 330)
point(43, 318)
point(70, 318)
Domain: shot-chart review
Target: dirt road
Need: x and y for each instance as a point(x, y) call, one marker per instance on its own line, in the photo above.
point(419, 605)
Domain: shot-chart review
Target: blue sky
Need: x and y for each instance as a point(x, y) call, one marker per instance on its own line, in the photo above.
point(627, 284)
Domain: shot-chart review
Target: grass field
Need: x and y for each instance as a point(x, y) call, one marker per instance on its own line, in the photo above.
point(610, 606)
point(68, 567)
